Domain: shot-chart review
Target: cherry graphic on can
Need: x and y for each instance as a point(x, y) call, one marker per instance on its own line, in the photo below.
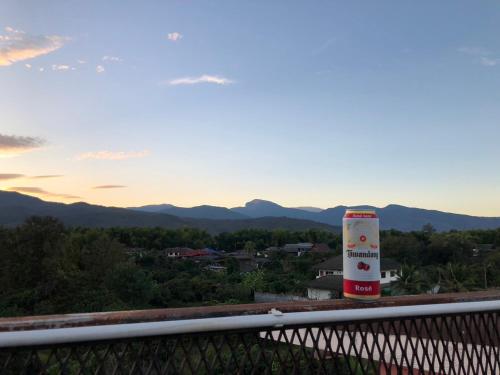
point(363, 266)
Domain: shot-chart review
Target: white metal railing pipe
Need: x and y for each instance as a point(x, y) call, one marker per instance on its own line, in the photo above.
point(273, 319)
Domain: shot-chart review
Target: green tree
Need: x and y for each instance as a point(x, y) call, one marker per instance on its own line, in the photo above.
point(254, 280)
point(456, 278)
point(410, 281)
point(452, 247)
point(404, 247)
point(428, 229)
point(132, 285)
point(249, 248)
point(492, 271)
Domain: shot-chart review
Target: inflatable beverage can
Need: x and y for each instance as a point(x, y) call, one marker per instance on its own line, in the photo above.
point(361, 254)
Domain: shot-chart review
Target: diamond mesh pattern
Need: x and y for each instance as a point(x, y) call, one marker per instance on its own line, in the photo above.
point(450, 344)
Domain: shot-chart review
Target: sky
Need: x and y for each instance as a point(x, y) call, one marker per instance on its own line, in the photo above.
point(316, 103)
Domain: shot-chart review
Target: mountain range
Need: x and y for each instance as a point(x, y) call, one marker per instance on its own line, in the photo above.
point(259, 214)
point(392, 216)
point(16, 207)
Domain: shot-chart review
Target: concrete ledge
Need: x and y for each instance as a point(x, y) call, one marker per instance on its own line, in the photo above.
point(138, 316)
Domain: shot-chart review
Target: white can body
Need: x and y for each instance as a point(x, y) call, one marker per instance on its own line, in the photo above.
point(361, 254)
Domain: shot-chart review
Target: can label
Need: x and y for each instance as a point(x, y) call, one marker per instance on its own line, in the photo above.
point(361, 254)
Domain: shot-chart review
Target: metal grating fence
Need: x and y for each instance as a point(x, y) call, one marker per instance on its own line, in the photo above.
point(451, 343)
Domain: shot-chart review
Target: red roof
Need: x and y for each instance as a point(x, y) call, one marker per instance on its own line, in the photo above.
point(320, 248)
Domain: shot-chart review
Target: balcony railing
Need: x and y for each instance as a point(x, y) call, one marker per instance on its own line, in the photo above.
point(442, 334)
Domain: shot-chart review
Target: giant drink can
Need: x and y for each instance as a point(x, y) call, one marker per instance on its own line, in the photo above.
point(361, 254)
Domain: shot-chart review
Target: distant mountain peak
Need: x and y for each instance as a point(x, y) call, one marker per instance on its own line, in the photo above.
point(153, 207)
point(309, 208)
point(396, 205)
point(209, 206)
point(260, 203)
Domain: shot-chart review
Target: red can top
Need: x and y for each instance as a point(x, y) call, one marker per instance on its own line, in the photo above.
point(360, 214)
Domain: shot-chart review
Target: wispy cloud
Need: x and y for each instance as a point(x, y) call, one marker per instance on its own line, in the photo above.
point(10, 176)
point(474, 51)
point(109, 187)
point(16, 45)
point(218, 80)
point(13, 144)
point(483, 56)
point(39, 191)
point(99, 69)
point(324, 46)
point(60, 67)
point(112, 155)
point(112, 58)
point(175, 36)
point(488, 61)
point(46, 176)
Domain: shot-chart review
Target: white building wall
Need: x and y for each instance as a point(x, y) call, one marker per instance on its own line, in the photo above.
point(322, 273)
point(318, 294)
point(386, 277)
point(394, 275)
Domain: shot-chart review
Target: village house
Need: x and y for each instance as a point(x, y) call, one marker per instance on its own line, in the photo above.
point(216, 267)
point(329, 280)
point(136, 251)
point(325, 287)
point(246, 262)
point(483, 249)
point(178, 252)
point(298, 249)
point(186, 252)
point(320, 248)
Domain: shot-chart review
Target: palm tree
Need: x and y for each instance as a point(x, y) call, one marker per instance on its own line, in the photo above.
point(486, 266)
point(410, 281)
point(456, 278)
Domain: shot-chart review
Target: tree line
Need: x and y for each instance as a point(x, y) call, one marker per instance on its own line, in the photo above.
point(47, 268)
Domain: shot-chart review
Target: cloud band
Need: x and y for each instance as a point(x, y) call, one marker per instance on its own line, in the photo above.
point(201, 79)
point(112, 155)
point(14, 144)
point(17, 46)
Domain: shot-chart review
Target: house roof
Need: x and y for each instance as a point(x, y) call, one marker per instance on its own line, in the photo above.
point(212, 258)
point(290, 247)
point(297, 246)
point(241, 255)
point(485, 246)
point(215, 267)
point(212, 251)
point(330, 282)
point(273, 248)
point(262, 260)
point(180, 250)
point(336, 264)
point(320, 248)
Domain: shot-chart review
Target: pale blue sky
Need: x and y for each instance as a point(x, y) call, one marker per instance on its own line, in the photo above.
point(309, 102)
